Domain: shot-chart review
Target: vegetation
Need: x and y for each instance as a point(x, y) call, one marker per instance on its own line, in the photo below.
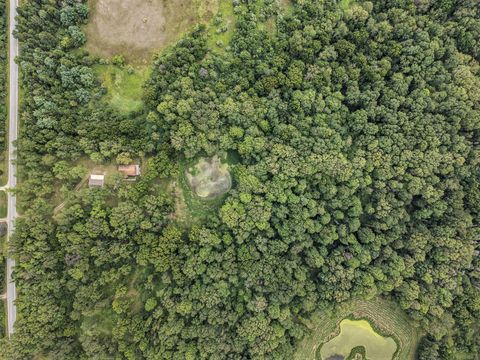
point(3, 280)
point(209, 178)
point(384, 316)
point(3, 204)
point(137, 29)
point(3, 92)
point(123, 85)
point(3, 147)
point(189, 208)
point(221, 27)
point(3, 319)
point(344, 4)
point(357, 177)
point(359, 333)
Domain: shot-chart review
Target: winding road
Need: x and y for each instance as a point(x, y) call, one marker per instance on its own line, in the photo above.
point(12, 180)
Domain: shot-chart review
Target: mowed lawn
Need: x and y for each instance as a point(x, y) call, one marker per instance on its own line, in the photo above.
point(354, 333)
point(124, 85)
point(386, 316)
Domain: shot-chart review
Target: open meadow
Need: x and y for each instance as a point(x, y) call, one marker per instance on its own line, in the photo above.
point(137, 29)
point(385, 316)
point(358, 333)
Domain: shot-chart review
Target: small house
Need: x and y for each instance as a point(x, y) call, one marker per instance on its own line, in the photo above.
point(96, 180)
point(129, 171)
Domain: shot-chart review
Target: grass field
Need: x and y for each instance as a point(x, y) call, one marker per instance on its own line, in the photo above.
point(192, 208)
point(3, 204)
point(138, 28)
point(355, 333)
point(386, 317)
point(98, 321)
point(221, 28)
point(124, 86)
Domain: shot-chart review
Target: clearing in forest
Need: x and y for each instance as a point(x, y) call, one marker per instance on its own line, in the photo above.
point(124, 86)
point(386, 317)
point(359, 333)
point(209, 178)
point(201, 188)
point(136, 28)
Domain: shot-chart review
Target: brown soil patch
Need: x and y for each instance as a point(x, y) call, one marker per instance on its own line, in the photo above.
point(136, 28)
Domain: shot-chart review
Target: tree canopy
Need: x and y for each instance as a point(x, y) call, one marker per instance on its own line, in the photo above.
point(356, 131)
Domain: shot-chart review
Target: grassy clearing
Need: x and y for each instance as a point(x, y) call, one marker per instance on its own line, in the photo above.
point(286, 4)
point(222, 26)
point(345, 4)
point(64, 192)
point(103, 318)
point(133, 294)
point(197, 209)
point(209, 178)
point(356, 333)
point(268, 20)
point(189, 208)
point(385, 316)
point(3, 204)
point(124, 86)
point(137, 28)
point(98, 321)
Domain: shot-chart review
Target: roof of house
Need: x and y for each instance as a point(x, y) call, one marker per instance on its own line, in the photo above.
point(129, 170)
point(96, 180)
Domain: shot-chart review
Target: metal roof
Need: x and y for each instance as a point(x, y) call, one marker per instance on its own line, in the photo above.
point(96, 180)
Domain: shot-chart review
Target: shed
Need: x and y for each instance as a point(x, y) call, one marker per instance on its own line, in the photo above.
point(96, 180)
point(129, 170)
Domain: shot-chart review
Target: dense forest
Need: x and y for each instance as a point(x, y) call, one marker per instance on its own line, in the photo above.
point(357, 136)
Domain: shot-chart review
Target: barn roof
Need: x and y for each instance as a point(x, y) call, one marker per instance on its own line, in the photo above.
point(129, 170)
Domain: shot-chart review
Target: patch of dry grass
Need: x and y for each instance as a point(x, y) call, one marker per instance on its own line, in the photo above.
point(138, 28)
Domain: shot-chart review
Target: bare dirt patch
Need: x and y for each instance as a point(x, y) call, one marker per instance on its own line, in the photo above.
point(209, 178)
point(136, 28)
